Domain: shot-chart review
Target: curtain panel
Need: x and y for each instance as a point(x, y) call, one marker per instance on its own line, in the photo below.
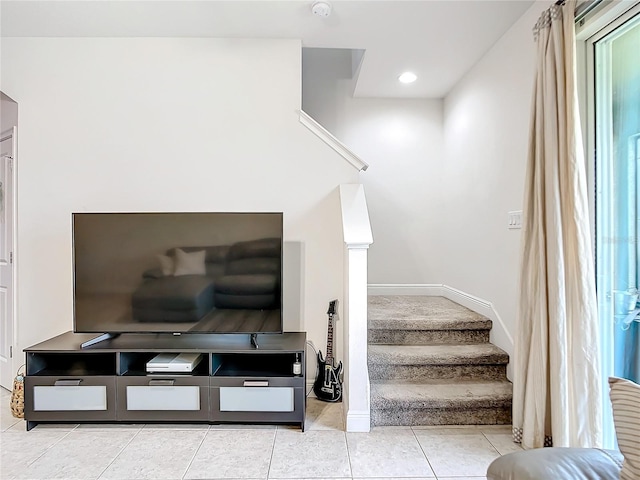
point(556, 378)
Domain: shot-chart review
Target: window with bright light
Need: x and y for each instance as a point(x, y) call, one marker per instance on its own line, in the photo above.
point(615, 70)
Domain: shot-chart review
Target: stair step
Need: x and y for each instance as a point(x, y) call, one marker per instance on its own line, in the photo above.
point(431, 363)
point(418, 320)
point(414, 363)
point(414, 310)
point(453, 403)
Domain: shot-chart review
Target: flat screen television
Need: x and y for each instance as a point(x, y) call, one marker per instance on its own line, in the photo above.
point(177, 272)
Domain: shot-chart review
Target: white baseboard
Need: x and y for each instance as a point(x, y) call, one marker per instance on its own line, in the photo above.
point(358, 421)
point(500, 336)
point(483, 307)
point(433, 290)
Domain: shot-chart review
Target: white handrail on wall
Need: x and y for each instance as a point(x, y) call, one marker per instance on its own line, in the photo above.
point(332, 141)
point(356, 230)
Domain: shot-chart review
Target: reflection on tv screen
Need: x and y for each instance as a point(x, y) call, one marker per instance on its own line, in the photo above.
point(177, 272)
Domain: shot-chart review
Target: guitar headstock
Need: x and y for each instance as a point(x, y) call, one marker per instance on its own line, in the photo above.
point(332, 307)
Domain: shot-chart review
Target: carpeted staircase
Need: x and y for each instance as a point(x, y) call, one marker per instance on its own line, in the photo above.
point(431, 363)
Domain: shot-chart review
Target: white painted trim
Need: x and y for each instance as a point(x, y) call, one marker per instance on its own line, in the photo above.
point(358, 421)
point(357, 398)
point(499, 334)
point(357, 236)
point(14, 247)
point(12, 134)
point(326, 136)
point(478, 305)
point(356, 227)
point(431, 290)
point(603, 15)
point(358, 246)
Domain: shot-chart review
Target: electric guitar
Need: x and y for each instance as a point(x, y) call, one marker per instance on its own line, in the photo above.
point(328, 385)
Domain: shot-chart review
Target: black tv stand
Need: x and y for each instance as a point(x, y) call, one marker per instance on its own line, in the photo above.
point(107, 382)
point(98, 339)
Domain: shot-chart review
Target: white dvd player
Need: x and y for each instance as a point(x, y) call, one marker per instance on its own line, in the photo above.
point(174, 362)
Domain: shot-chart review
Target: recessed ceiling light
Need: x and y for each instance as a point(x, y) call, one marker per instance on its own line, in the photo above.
point(408, 77)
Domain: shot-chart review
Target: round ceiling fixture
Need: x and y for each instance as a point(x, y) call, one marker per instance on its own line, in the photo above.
point(408, 77)
point(321, 9)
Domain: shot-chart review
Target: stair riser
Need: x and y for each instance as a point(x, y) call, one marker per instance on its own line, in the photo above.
point(429, 361)
point(417, 417)
point(428, 337)
point(417, 373)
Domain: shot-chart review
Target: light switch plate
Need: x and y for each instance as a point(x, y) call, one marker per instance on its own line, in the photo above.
point(515, 219)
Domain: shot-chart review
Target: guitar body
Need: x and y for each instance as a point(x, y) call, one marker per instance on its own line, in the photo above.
point(327, 386)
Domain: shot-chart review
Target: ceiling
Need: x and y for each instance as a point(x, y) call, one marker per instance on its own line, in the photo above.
point(439, 40)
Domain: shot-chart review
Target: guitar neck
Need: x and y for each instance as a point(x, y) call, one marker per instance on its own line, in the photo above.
point(329, 358)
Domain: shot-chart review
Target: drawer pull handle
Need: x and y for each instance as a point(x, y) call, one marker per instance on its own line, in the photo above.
point(156, 382)
point(255, 383)
point(67, 383)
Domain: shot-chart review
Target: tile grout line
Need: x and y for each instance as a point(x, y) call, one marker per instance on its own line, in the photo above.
point(491, 443)
point(273, 448)
point(119, 452)
point(346, 441)
point(206, 432)
point(50, 446)
point(424, 453)
point(5, 430)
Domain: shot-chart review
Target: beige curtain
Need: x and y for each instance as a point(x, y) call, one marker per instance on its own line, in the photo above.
point(556, 377)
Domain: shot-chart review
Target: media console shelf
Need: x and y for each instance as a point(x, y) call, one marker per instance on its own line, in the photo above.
point(108, 382)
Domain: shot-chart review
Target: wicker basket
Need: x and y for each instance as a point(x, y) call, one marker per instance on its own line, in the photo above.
point(17, 394)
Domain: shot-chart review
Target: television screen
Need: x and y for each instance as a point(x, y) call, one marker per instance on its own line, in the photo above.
point(177, 272)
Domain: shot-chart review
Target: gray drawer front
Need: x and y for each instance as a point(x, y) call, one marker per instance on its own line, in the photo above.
point(70, 398)
point(155, 398)
point(263, 398)
point(256, 399)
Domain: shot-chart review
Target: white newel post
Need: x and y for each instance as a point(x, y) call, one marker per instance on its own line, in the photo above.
point(357, 238)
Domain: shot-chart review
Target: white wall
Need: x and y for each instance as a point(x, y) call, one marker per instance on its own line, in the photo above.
point(402, 141)
point(443, 174)
point(486, 128)
point(141, 124)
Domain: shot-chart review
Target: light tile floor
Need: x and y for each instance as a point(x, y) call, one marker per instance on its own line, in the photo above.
point(323, 451)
